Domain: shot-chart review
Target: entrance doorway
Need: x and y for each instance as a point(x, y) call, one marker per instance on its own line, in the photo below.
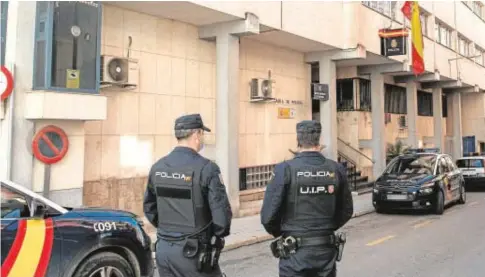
point(315, 103)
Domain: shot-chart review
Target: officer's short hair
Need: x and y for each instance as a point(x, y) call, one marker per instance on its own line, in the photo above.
point(308, 140)
point(185, 133)
point(308, 133)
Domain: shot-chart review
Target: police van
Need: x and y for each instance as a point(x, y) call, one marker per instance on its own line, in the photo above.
point(42, 238)
point(473, 170)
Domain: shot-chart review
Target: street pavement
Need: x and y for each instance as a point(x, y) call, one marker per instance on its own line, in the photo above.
point(394, 245)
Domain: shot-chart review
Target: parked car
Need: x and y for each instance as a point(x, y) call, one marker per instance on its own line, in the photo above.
point(473, 170)
point(42, 238)
point(419, 180)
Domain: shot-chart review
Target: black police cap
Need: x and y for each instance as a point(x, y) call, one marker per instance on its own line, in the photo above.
point(309, 126)
point(190, 121)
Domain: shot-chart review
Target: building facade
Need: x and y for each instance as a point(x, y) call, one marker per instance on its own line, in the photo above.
point(212, 58)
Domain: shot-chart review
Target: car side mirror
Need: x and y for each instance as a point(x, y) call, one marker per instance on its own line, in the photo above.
point(40, 210)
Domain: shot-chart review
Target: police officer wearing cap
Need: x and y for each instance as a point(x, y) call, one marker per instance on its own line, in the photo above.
point(186, 201)
point(307, 200)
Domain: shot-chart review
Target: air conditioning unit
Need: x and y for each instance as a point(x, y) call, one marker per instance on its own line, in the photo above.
point(119, 71)
point(403, 122)
point(261, 90)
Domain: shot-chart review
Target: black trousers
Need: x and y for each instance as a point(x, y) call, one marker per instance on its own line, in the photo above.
point(172, 263)
point(312, 261)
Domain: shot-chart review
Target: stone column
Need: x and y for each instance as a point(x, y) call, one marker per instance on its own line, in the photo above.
point(438, 118)
point(19, 55)
point(378, 123)
point(412, 112)
point(457, 131)
point(328, 109)
point(226, 35)
point(227, 114)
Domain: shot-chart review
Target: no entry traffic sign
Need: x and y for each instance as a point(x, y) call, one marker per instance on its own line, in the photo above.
point(6, 83)
point(50, 144)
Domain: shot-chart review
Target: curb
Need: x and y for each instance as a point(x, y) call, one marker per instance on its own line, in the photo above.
point(357, 214)
point(357, 193)
point(266, 237)
point(247, 242)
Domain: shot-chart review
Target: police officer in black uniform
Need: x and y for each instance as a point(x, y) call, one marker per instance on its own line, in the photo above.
point(307, 200)
point(186, 201)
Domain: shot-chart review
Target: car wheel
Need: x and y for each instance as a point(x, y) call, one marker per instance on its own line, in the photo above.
point(440, 203)
point(105, 264)
point(462, 199)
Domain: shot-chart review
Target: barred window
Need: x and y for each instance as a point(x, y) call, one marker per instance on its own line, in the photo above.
point(425, 103)
point(395, 99)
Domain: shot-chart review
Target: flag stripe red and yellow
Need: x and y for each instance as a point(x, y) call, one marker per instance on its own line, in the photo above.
point(46, 250)
point(417, 38)
point(31, 249)
point(15, 249)
point(410, 9)
point(393, 33)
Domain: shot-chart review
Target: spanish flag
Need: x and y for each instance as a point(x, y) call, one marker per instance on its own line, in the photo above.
point(410, 9)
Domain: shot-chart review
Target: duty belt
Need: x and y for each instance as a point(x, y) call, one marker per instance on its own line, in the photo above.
point(314, 241)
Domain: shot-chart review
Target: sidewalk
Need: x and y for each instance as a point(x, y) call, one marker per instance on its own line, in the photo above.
point(248, 230)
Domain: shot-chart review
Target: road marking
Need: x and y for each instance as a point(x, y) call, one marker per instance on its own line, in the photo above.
point(422, 224)
point(472, 203)
point(381, 240)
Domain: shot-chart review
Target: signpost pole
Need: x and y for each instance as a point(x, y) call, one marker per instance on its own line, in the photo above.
point(47, 180)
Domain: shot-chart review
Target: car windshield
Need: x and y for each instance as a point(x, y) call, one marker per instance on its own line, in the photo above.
point(413, 165)
point(470, 163)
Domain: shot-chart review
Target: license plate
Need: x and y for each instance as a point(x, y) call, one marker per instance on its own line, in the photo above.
point(397, 197)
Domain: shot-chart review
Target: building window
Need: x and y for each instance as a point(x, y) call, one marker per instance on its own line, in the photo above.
point(424, 22)
point(425, 103)
point(3, 30)
point(365, 95)
point(67, 46)
point(387, 8)
point(478, 8)
point(443, 34)
point(444, 106)
point(463, 46)
point(479, 55)
point(395, 99)
point(345, 95)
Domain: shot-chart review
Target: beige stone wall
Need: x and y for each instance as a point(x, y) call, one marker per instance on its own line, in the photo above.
point(177, 76)
point(259, 126)
point(68, 172)
point(473, 116)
